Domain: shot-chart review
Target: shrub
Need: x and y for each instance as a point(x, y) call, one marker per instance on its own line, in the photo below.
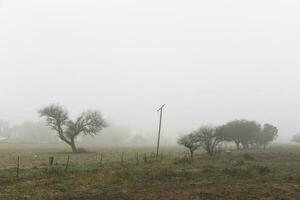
point(238, 171)
point(184, 160)
point(262, 169)
point(247, 156)
point(208, 169)
point(237, 163)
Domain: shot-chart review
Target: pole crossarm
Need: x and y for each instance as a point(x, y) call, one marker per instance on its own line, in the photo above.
point(161, 107)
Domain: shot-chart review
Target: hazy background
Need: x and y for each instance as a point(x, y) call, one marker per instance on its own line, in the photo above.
point(209, 61)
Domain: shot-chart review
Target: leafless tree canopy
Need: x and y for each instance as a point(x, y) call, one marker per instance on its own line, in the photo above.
point(190, 141)
point(209, 138)
point(88, 123)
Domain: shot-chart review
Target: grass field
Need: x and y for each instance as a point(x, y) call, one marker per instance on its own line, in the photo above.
point(270, 174)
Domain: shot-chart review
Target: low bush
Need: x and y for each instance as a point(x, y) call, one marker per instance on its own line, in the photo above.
point(238, 171)
point(237, 163)
point(262, 169)
point(184, 160)
point(247, 156)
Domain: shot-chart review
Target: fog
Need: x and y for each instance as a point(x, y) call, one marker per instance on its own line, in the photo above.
point(209, 61)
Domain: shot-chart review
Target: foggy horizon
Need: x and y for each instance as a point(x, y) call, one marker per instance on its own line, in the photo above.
point(209, 62)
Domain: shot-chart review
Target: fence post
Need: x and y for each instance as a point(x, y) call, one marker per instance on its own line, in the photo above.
point(137, 158)
point(18, 166)
point(67, 165)
point(101, 158)
point(122, 158)
point(51, 160)
point(145, 158)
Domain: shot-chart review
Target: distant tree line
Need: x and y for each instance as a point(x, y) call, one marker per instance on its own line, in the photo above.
point(243, 133)
point(27, 132)
point(296, 138)
point(4, 128)
point(36, 132)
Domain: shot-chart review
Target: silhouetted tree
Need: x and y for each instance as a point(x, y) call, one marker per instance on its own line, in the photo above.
point(4, 128)
point(88, 123)
point(296, 138)
point(209, 138)
point(267, 135)
point(240, 132)
point(138, 139)
point(190, 141)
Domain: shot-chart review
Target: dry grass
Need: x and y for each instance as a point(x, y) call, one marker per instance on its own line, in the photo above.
point(268, 174)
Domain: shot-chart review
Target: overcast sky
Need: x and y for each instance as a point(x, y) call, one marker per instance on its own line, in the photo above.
point(209, 61)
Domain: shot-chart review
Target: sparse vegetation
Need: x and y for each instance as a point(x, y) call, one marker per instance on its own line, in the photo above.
point(271, 175)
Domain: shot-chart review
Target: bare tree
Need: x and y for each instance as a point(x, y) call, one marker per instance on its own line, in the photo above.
point(296, 138)
point(4, 129)
point(190, 141)
point(88, 123)
point(209, 138)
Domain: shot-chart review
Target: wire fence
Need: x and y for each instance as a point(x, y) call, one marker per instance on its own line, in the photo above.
point(47, 165)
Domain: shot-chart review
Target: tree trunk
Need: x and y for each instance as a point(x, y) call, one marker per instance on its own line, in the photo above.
point(192, 155)
point(237, 145)
point(210, 152)
point(73, 146)
point(246, 146)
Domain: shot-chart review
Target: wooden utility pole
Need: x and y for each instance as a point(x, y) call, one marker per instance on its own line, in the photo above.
point(159, 129)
